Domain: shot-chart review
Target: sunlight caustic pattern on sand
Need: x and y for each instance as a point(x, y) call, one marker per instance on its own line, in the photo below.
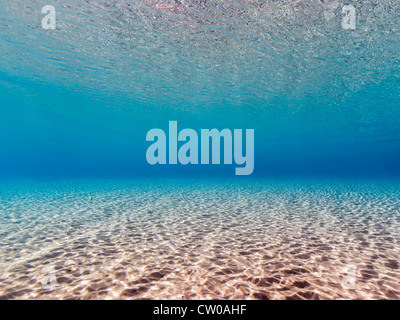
point(192, 240)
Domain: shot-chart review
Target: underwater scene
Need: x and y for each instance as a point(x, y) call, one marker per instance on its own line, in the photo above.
point(199, 149)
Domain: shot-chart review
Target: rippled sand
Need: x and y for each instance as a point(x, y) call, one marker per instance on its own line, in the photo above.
point(192, 240)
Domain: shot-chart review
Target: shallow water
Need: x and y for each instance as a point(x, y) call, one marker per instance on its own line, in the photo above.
point(193, 240)
point(80, 99)
point(76, 104)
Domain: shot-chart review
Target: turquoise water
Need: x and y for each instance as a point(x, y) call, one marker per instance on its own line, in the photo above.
point(83, 215)
point(79, 100)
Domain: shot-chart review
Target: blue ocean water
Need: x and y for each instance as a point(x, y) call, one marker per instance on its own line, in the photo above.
point(83, 215)
point(79, 100)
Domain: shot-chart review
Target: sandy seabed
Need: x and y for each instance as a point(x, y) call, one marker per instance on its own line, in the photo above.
point(195, 240)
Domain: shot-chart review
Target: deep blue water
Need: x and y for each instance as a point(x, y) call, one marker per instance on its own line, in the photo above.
point(78, 101)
